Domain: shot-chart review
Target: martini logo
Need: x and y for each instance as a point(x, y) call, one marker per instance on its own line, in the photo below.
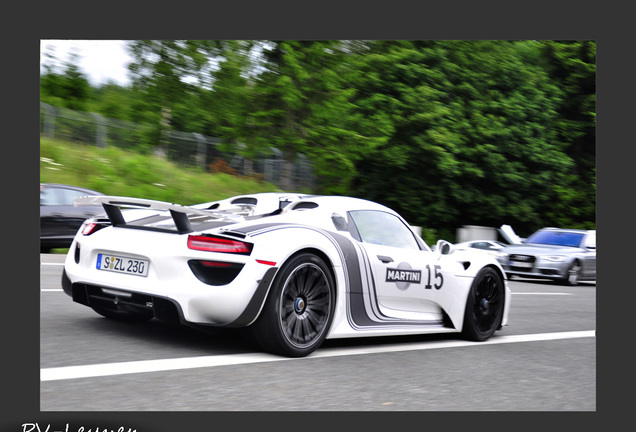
point(403, 276)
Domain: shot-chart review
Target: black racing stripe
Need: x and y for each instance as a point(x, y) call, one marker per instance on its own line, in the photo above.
point(358, 312)
point(254, 228)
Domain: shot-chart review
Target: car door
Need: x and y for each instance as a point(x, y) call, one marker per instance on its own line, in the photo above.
point(51, 212)
point(408, 279)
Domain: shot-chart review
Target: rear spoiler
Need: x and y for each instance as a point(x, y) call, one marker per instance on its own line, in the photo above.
point(180, 214)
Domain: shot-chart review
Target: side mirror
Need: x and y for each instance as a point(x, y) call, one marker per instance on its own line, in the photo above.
point(444, 248)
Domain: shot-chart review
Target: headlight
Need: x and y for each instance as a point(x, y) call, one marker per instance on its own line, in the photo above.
point(555, 258)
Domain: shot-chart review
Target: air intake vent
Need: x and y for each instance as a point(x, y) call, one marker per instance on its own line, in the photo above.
point(304, 205)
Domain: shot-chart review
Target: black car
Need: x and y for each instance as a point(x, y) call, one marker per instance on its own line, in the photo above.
point(59, 218)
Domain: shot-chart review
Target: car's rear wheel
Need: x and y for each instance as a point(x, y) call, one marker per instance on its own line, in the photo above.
point(299, 309)
point(485, 305)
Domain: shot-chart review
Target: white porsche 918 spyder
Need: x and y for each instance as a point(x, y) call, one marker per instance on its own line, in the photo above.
point(289, 270)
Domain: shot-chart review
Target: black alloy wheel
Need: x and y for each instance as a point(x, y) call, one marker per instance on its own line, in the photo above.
point(485, 306)
point(305, 305)
point(299, 309)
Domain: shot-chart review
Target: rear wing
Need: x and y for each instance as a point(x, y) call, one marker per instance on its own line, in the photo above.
point(181, 215)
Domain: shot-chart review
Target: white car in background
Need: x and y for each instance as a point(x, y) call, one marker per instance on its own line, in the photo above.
point(492, 247)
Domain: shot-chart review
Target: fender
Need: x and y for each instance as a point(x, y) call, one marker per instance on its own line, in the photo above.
point(296, 238)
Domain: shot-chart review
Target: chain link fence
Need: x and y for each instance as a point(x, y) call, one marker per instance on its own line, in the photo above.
point(184, 148)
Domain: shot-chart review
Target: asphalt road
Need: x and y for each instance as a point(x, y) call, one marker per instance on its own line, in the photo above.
point(545, 360)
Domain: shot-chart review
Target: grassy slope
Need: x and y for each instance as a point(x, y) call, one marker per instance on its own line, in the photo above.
point(113, 171)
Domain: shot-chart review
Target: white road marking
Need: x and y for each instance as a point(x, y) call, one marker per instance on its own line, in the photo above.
point(539, 293)
point(122, 368)
point(52, 290)
point(514, 293)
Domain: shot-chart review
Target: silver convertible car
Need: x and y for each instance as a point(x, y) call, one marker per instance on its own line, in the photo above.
point(564, 255)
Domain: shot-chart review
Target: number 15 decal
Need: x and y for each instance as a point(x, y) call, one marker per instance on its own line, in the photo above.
point(437, 276)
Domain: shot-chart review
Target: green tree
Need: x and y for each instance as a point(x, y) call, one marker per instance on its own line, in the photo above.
point(572, 65)
point(230, 89)
point(68, 89)
point(113, 101)
point(471, 136)
point(170, 74)
point(302, 106)
point(230, 102)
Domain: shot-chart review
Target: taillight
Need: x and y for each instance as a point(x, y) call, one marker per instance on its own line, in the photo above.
point(91, 227)
point(216, 264)
point(219, 244)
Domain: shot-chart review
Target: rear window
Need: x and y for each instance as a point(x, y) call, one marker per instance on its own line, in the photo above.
point(59, 196)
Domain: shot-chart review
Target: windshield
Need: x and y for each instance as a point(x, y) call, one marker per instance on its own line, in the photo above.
point(558, 238)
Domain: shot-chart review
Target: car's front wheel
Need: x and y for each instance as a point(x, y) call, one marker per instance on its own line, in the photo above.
point(573, 274)
point(299, 309)
point(484, 306)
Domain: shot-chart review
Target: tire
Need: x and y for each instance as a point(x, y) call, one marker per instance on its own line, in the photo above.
point(573, 274)
point(123, 316)
point(299, 308)
point(484, 306)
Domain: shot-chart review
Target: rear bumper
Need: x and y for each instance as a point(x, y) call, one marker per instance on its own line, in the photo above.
point(162, 308)
point(171, 290)
point(118, 300)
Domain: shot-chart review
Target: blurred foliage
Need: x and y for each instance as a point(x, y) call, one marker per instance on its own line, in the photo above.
point(472, 135)
point(446, 132)
point(69, 90)
point(302, 104)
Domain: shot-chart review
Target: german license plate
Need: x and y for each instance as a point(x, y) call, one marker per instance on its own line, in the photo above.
point(521, 264)
point(121, 264)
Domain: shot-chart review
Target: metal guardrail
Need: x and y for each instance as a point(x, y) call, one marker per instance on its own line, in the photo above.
point(184, 148)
